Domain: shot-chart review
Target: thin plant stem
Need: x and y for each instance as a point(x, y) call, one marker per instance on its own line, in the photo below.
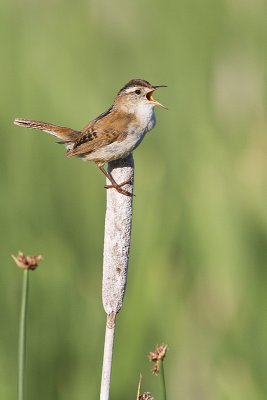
point(107, 359)
point(22, 334)
point(139, 387)
point(164, 392)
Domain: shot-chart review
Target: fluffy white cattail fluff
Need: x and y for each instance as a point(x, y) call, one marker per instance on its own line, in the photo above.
point(118, 224)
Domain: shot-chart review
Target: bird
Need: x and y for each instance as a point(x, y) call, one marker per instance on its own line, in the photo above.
point(114, 134)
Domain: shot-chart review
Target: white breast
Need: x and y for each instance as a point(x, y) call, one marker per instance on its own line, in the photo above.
point(146, 116)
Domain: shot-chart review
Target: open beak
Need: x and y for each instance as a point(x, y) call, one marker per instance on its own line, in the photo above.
point(152, 100)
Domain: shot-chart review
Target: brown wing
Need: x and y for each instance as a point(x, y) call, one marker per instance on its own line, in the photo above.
point(101, 132)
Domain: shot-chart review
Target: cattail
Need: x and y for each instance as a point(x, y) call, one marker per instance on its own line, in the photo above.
point(118, 224)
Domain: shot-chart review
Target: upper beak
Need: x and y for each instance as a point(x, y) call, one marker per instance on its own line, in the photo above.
point(152, 100)
point(158, 86)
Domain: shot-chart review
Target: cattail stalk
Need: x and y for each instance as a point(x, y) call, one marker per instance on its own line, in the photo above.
point(118, 224)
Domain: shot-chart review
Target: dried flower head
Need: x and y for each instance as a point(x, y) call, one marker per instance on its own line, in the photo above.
point(145, 396)
point(27, 262)
point(157, 355)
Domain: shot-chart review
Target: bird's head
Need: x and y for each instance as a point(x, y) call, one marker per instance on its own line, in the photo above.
point(137, 94)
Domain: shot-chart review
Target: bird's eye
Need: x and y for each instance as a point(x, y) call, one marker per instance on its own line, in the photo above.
point(137, 91)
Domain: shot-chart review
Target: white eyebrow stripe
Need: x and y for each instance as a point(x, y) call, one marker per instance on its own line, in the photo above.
point(132, 89)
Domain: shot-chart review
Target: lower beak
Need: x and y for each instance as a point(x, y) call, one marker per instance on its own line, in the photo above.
point(152, 100)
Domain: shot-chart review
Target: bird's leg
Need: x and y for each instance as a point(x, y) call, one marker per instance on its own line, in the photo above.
point(114, 184)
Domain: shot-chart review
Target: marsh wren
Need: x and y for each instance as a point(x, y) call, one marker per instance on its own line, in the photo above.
point(112, 135)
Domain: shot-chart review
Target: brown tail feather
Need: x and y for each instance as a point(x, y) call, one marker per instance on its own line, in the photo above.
point(59, 131)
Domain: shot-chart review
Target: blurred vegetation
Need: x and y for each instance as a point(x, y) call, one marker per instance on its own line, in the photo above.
point(197, 274)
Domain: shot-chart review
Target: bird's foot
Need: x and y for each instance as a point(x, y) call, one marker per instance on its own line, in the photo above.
point(118, 187)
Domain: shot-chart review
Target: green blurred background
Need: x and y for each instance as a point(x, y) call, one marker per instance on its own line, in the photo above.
point(197, 273)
